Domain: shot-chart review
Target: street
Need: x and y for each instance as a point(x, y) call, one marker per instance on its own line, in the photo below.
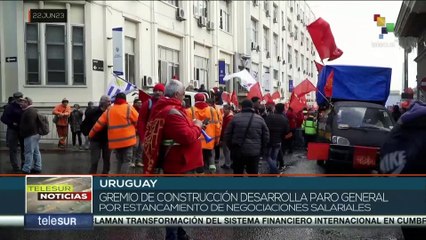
point(72, 162)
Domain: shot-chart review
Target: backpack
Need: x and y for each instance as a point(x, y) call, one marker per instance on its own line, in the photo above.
point(43, 124)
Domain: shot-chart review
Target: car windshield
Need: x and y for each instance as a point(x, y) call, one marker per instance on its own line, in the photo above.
point(364, 117)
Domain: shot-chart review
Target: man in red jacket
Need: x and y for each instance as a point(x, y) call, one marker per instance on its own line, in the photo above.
point(168, 128)
point(171, 141)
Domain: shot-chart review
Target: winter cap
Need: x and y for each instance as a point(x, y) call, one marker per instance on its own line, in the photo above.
point(200, 97)
point(65, 100)
point(18, 95)
point(159, 87)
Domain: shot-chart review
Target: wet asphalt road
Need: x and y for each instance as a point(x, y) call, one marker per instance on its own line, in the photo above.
point(71, 162)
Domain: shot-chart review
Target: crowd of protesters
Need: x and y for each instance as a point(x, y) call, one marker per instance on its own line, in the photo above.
point(241, 135)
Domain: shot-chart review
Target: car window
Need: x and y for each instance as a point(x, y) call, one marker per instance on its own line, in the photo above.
point(357, 117)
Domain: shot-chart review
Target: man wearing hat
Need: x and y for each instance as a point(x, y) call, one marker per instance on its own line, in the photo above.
point(62, 112)
point(12, 118)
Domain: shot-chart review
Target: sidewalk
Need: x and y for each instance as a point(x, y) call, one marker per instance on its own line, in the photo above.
point(44, 147)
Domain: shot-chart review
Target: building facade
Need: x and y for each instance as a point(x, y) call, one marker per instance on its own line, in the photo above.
point(162, 40)
point(411, 32)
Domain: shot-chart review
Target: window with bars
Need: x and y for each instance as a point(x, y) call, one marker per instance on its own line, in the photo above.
point(32, 56)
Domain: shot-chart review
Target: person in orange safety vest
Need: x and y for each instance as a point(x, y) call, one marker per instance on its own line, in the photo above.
point(121, 120)
point(212, 126)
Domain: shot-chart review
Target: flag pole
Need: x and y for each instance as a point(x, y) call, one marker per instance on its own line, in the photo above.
point(329, 102)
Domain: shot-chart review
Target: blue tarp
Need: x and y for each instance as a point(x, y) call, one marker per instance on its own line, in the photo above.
point(356, 83)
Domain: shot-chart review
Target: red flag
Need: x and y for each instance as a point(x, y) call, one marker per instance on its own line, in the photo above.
point(268, 98)
point(297, 103)
point(319, 66)
point(226, 97)
point(318, 151)
point(304, 87)
point(276, 95)
point(328, 88)
point(323, 39)
point(234, 98)
point(143, 96)
point(255, 91)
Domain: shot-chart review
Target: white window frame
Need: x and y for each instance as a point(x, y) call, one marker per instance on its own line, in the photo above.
point(127, 64)
point(296, 30)
point(174, 3)
point(275, 37)
point(289, 54)
point(289, 25)
point(43, 74)
point(224, 20)
point(66, 80)
point(254, 31)
point(203, 70)
point(84, 54)
point(265, 5)
point(296, 55)
point(173, 65)
point(198, 6)
point(275, 13)
point(266, 38)
point(36, 42)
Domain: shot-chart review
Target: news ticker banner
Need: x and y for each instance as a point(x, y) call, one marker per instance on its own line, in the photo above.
point(82, 202)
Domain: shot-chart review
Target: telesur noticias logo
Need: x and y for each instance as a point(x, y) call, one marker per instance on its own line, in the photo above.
point(385, 28)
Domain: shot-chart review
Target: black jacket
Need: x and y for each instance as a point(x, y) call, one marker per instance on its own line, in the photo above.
point(404, 151)
point(12, 115)
point(29, 123)
point(91, 117)
point(257, 135)
point(278, 126)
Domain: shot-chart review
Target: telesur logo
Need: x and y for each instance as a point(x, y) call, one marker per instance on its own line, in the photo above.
point(385, 28)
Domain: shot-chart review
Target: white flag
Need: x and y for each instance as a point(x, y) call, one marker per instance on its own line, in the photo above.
point(117, 85)
point(247, 80)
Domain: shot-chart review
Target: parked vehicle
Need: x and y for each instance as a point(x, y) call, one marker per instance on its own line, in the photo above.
point(353, 121)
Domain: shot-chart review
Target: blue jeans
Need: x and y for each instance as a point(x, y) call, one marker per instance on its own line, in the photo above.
point(12, 138)
point(32, 153)
point(271, 156)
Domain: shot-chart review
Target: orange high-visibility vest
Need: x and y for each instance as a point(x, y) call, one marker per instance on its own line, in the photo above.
point(121, 121)
point(213, 128)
